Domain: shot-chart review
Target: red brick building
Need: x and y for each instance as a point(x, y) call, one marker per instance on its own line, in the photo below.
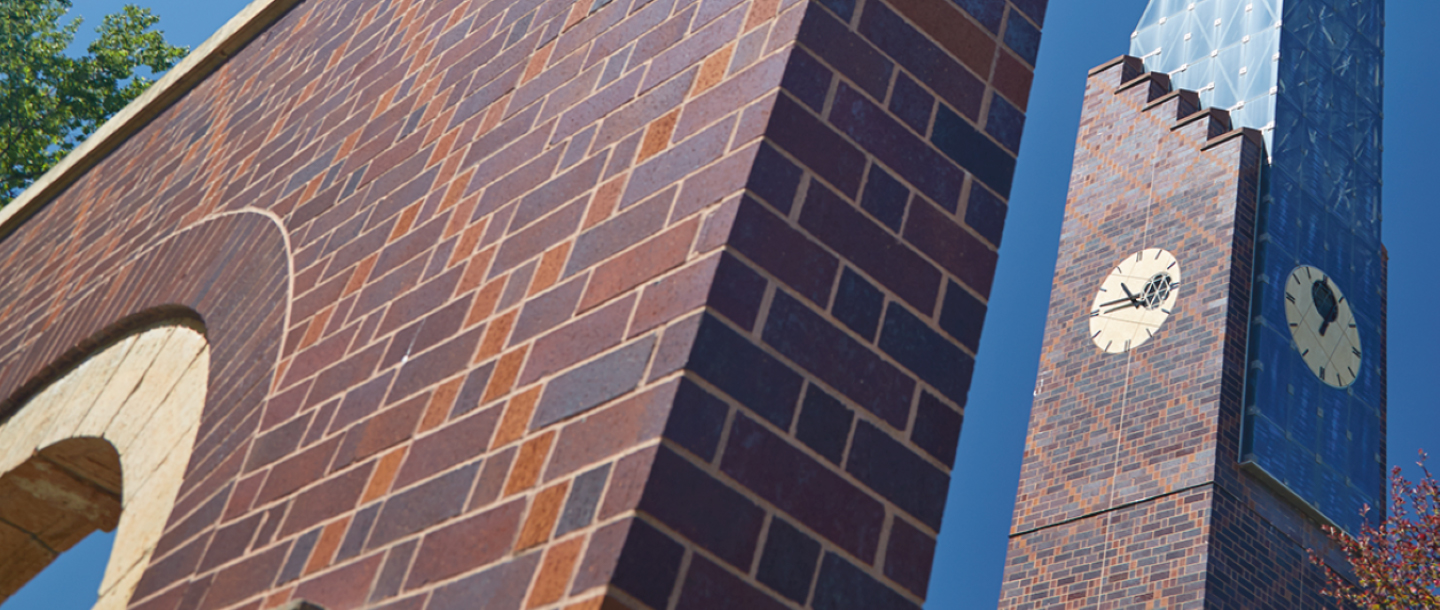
point(528, 303)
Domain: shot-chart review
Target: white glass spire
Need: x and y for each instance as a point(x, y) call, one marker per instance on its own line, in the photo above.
point(1224, 49)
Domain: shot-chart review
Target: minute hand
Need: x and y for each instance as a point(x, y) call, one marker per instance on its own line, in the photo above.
point(1121, 300)
point(1128, 297)
point(1134, 304)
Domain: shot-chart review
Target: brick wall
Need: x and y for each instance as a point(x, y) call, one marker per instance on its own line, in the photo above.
point(557, 304)
point(1131, 488)
point(859, 264)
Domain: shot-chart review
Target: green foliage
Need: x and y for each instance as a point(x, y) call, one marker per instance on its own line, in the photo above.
point(50, 102)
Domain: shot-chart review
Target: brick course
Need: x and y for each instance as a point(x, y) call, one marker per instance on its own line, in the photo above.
point(530, 301)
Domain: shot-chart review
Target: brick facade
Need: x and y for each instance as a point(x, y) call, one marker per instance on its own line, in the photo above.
point(556, 304)
point(1131, 493)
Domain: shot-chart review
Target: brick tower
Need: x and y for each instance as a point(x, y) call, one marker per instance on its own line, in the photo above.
point(1211, 386)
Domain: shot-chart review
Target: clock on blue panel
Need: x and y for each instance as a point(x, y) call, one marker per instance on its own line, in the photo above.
point(1309, 75)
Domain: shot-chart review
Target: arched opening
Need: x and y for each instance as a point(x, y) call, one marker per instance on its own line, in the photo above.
point(53, 501)
point(103, 447)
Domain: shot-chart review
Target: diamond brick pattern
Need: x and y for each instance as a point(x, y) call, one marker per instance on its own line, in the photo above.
point(496, 289)
point(1132, 467)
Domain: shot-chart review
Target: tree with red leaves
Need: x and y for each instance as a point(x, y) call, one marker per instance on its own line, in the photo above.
point(1395, 565)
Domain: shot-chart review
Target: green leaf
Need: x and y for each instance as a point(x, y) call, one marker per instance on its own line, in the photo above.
point(49, 101)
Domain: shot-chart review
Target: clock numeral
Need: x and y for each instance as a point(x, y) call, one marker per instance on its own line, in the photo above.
point(1296, 278)
point(1307, 274)
point(1352, 325)
point(1306, 353)
point(1355, 351)
point(1157, 255)
point(1290, 297)
point(1127, 345)
point(1149, 333)
point(1294, 324)
point(1167, 312)
point(1095, 313)
point(1097, 333)
point(1342, 300)
point(1322, 372)
point(1138, 255)
point(1107, 345)
point(1172, 264)
point(1352, 372)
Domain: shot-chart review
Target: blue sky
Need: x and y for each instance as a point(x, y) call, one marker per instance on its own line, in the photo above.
point(1078, 35)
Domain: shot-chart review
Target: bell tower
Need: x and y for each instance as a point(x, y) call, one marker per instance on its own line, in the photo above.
point(1211, 389)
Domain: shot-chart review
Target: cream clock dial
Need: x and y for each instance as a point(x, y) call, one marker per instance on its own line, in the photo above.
point(1323, 326)
point(1134, 300)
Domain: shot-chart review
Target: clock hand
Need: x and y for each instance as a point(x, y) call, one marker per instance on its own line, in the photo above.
point(1127, 293)
point(1324, 298)
point(1130, 299)
point(1127, 306)
point(1327, 317)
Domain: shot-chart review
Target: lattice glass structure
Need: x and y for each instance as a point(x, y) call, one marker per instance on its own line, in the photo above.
point(1224, 49)
point(1309, 74)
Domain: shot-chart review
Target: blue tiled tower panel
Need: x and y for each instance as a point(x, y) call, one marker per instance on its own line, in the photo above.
point(1309, 74)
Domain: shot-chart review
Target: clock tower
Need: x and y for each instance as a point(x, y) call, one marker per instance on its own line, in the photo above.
point(1211, 390)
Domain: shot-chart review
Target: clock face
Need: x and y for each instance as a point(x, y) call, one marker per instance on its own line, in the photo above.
point(1134, 300)
point(1323, 326)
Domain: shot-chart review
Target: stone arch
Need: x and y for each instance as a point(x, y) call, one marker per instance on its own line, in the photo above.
point(104, 446)
point(52, 501)
point(231, 270)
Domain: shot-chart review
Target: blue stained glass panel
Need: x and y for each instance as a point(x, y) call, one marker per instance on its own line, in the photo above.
point(1262, 433)
point(1276, 266)
point(1367, 273)
point(1310, 229)
point(1334, 423)
point(1363, 469)
point(1302, 424)
point(1337, 245)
